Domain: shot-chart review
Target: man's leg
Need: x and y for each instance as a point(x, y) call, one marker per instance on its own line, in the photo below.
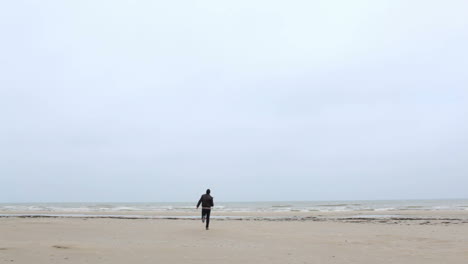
point(203, 214)
point(208, 212)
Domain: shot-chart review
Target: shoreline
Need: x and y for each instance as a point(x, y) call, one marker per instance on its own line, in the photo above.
point(383, 217)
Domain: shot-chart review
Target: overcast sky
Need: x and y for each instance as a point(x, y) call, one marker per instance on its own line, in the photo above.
point(257, 100)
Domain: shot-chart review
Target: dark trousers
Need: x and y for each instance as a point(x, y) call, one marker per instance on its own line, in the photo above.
point(206, 213)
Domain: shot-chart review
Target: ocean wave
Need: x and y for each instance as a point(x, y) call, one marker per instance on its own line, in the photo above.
point(332, 205)
point(286, 206)
point(386, 209)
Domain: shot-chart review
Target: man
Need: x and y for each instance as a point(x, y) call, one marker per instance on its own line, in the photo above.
point(206, 200)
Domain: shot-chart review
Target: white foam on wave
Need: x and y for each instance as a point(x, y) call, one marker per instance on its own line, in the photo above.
point(278, 206)
point(385, 209)
point(125, 208)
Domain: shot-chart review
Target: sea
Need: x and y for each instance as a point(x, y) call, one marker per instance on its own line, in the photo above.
point(272, 206)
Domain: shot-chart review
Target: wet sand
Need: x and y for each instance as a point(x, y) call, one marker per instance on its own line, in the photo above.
point(411, 237)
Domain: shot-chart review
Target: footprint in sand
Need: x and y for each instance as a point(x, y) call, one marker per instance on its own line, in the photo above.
point(61, 247)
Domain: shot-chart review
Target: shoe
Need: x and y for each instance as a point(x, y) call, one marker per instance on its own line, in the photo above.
point(207, 228)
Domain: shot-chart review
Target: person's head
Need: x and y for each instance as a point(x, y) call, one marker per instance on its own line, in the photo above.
point(208, 191)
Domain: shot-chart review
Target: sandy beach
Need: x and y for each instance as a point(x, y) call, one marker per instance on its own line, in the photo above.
point(417, 237)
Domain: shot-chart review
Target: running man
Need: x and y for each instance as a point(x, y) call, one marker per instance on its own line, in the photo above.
point(206, 200)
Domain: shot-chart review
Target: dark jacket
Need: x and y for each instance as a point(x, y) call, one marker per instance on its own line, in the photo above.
point(206, 200)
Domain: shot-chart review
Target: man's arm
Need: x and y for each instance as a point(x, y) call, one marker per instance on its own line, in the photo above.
point(212, 202)
point(199, 202)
